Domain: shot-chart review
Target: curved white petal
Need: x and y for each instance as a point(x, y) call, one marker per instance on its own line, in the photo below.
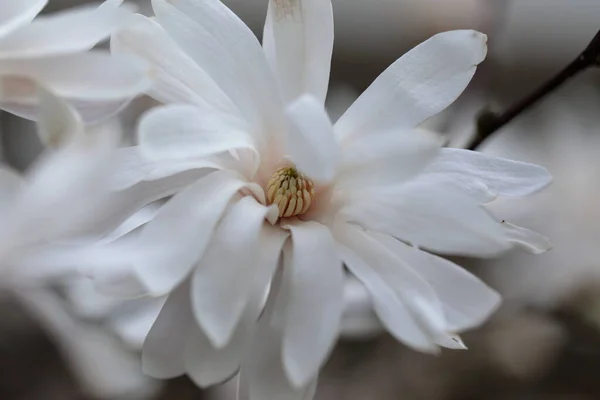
point(527, 240)
point(177, 77)
point(398, 293)
point(177, 237)
point(417, 86)
point(485, 177)
point(310, 140)
point(430, 215)
point(226, 49)
point(466, 300)
point(225, 277)
point(14, 14)
point(58, 123)
point(298, 41)
point(389, 157)
point(315, 301)
point(164, 348)
point(184, 132)
point(70, 31)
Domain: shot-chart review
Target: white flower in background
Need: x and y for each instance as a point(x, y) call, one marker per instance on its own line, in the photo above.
point(61, 194)
point(370, 193)
point(53, 50)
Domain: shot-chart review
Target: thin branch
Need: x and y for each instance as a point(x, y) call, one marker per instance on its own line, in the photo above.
point(489, 122)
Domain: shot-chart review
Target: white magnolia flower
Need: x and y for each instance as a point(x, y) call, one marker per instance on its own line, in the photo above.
point(53, 50)
point(370, 193)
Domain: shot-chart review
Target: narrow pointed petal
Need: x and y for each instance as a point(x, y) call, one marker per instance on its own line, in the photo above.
point(14, 14)
point(310, 140)
point(298, 41)
point(467, 301)
point(316, 301)
point(164, 347)
point(527, 240)
point(486, 177)
point(417, 86)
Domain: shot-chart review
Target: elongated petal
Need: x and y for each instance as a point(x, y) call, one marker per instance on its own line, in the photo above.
point(525, 239)
point(485, 177)
point(430, 215)
point(301, 32)
point(191, 216)
point(117, 79)
point(70, 31)
point(226, 49)
point(394, 288)
point(315, 303)
point(14, 14)
point(182, 131)
point(467, 301)
point(164, 347)
point(417, 86)
point(389, 157)
point(58, 123)
point(178, 79)
point(310, 140)
point(224, 279)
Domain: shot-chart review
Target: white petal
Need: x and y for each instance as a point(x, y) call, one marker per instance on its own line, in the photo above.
point(310, 140)
point(485, 177)
point(183, 131)
point(76, 29)
point(315, 303)
point(398, 293)
point(14, 14)
point(177, 237)
point(11, 184)
point(225, 47)
point(417, 86)
point(164, 348)
point(430, 215)
point(302, 35)
point(178, 79)
point(389, 157)
point(58, 123)
point(225, 277)
point(525, 239)
point(262, 375)
point(467, 301)
point(117, 79)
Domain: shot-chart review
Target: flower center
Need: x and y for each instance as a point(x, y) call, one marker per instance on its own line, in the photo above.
point(291, 191)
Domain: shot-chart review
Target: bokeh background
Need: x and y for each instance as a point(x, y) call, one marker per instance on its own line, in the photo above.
point(64, 341)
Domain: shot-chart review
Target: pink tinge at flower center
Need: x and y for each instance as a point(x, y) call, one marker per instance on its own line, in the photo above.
point(291, 191)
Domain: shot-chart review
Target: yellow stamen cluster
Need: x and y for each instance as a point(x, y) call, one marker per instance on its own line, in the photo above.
point(291, 191)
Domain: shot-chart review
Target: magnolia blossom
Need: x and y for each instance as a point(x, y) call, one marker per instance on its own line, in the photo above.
point(53, 50)
point(278, 184)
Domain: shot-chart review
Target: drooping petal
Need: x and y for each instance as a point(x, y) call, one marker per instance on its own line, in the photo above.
point(527, 240)
point(117, 79)
point(178, 79)
point(262, 374)
point(485, 177)
point(14, 14)
point(417, 86)
point(183, 132)
point(467, 301)
point(298, 41)
point(430, 215)
point(163, 354)
point(315, 301)
point(58, 123)
point(193, 214)
point(226, 49)
point(225, 277)
point(396, 290)
point(389, 157)
point(310, 141)
point(70, 31)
